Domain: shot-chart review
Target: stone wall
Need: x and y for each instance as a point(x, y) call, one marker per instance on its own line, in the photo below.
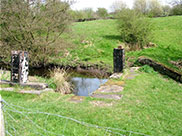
point(161, 68)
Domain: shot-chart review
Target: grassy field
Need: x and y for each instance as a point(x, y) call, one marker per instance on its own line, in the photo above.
point(151, 105)
point(95, 41)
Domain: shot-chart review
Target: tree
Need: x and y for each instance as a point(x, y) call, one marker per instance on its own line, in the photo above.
point(32, 26)
point(102, 12)
point(166, 9)
point(141, 6)
point(118, 5)
point(177, 7)
point(151, 8)
point(89, 13)
point(155, 8)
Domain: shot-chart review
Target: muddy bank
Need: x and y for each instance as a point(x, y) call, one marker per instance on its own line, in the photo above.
point(93, 70)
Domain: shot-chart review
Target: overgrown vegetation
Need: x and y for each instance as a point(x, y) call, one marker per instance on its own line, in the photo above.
point(60, 79)
point(95, 41)
point(135, 29)
point(34, 27)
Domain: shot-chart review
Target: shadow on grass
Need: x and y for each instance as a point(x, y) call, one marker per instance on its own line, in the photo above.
point(113, 37)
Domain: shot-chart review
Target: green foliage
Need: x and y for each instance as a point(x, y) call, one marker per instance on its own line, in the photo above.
point(89, 13)
point(95, 41)
point(166, 10)
point(177, 10)
point(135, 29)
point(155, 8)
point(83, 14)
point(177, 7)
point(147, 69)
point(102, 12)
point(151, 8)
point(33, 27)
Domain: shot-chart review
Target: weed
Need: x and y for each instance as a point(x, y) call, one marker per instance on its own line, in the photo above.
point(60, 77)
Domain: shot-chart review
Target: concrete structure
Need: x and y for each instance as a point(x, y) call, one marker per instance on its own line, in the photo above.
point(119, 59)
point(19, 66)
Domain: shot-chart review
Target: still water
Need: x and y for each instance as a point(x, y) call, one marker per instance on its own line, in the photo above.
point(86, 86)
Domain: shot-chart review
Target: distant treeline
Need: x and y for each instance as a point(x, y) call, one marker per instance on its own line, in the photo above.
point(150, 8)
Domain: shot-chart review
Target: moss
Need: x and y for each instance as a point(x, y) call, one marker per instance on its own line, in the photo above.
point(115, 82)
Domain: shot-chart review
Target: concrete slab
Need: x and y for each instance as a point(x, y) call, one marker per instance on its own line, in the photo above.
point(38, 86)
point(107, 96)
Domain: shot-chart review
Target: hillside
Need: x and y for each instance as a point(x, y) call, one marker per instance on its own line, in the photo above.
point(95, 41)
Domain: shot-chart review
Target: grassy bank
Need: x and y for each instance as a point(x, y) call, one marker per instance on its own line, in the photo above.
point(95, 41)
point(151, 105)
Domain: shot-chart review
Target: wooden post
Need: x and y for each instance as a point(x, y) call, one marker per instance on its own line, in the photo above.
point(119, 59)
point(2, 128)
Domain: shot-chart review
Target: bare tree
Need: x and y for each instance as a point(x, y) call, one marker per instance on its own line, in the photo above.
point(141, 6)
point(176, 2)
point(155, 8)
point(148, 7)
point(33, 26)
point(118, 5)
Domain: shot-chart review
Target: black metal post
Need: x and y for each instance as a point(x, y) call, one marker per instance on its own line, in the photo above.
point(119, 59)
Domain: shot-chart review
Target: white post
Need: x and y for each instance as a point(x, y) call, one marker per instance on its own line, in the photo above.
point(2, 128)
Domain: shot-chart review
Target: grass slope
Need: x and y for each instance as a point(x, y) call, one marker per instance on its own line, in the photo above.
point(95, 41)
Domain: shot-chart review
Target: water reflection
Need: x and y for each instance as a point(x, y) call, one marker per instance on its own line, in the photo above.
point(86, 86)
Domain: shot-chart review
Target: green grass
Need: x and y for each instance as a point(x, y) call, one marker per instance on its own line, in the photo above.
point(167, 35)
point(95, 41)
point(151, 105)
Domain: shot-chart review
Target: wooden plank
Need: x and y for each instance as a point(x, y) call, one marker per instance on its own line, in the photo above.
point(2, 128)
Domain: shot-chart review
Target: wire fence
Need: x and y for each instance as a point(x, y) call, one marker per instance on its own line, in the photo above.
point(20, 121)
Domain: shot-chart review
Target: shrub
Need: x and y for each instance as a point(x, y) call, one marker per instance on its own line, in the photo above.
point(135, 29)
point(60, 78)
point(34, 27)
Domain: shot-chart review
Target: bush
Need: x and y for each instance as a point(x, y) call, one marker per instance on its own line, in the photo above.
point(135, 29)
point(60, 78)
point(34, 27)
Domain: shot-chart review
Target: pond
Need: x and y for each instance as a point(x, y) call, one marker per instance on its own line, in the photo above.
point(85, 86)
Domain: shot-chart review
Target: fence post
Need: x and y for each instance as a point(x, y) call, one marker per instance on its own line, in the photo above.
point(2, 128)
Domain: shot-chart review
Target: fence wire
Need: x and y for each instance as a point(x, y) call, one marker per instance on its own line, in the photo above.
point(20, 121)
